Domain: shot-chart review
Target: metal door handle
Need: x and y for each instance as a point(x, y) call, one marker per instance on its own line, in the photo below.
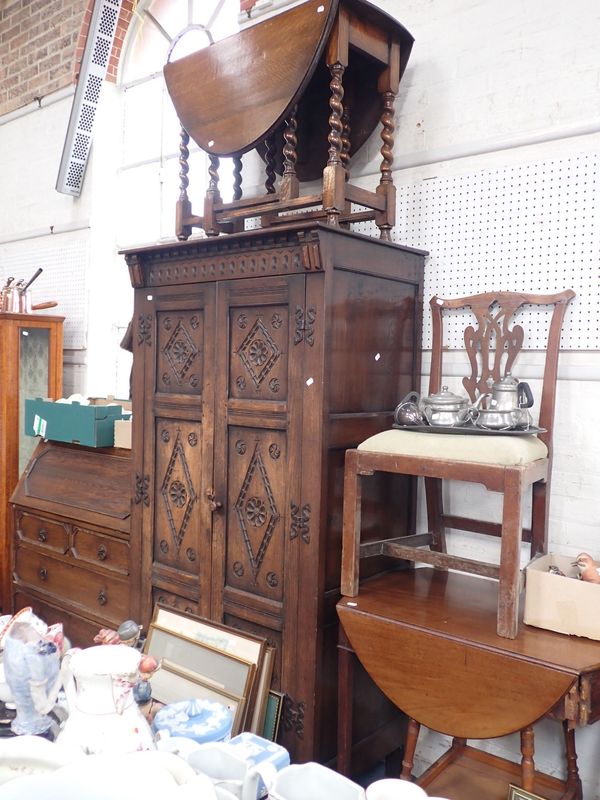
point(215, 505)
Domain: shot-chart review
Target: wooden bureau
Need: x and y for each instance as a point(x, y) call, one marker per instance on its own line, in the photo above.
point(71, 551)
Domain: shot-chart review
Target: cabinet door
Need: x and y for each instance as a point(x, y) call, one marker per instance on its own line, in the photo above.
point(176, 336)
point(258, 424)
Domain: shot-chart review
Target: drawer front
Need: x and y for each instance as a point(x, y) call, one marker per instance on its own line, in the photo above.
point(46, 533)
point(102, 595)
point(80, 631)
point(102, 551)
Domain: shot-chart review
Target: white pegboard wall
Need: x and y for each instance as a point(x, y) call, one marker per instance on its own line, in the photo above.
point(530, 227)
point(65, 260)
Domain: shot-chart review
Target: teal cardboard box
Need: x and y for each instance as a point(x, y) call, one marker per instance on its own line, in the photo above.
point(93, 425)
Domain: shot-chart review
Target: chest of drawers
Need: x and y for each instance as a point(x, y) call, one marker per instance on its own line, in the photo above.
point(71, 551)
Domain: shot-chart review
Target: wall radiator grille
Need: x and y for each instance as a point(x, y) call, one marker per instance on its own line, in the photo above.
point(94, 64)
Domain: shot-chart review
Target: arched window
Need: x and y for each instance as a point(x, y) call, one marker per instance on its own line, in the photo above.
point(148, 179)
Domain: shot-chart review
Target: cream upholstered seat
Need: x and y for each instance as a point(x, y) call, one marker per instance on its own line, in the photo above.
point(505, 464)
point(507, 451)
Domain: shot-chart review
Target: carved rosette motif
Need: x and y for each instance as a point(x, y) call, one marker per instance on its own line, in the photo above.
point(274, 451)
point(258, 352)
point(178, 493)
point(256, 511)
point(238, 569)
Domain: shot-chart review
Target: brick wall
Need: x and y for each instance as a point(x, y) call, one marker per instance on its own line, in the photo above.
point(41, 45)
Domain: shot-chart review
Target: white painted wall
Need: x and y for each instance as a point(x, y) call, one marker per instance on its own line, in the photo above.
point(489, 85)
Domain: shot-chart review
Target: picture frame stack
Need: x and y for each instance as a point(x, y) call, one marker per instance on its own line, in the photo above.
point(202, 659)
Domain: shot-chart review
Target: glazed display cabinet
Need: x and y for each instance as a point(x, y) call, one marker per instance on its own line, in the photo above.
point(259, 358)
point(31, 364)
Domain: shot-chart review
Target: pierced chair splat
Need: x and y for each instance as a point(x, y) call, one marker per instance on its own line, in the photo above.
point(512, 465)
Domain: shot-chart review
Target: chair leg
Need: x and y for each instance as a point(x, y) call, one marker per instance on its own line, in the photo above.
point(539, 517)
point(509, 584)
point(412, 734)
point(435, 513)
point(351, 523)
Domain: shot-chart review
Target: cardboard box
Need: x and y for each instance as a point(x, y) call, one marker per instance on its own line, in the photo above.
point(562, 604)
point(123, 433)
point(92, 425)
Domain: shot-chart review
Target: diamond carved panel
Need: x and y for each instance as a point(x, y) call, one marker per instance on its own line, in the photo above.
point(177, 511)
point(255, 540)
point(179, 353)
point(177, 492)
point(256, 511)
point(258, 367)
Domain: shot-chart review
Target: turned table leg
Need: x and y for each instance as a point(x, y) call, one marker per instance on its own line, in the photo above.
point(412, 735)
point(574, 788)
point(527, 763)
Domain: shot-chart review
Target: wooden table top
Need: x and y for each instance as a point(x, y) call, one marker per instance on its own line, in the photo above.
point(428, 639)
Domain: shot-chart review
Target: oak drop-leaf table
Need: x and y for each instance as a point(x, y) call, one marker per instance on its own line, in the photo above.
point(428, 639)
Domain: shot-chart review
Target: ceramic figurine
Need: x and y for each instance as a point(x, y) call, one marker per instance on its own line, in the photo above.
point(588, 569)
point(129, 632)
point(32, 670)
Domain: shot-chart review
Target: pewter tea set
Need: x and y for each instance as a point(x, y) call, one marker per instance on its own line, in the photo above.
point(504, 409)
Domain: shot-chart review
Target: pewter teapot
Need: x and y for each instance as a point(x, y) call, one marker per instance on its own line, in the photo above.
point(507, 404)
point(510, 394)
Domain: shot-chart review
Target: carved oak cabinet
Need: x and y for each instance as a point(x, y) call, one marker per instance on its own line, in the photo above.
point(259, 358)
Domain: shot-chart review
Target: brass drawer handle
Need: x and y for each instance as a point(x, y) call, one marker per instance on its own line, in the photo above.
point(43, 573)
point(102, 552)
point(42, 534)
point(102, 598)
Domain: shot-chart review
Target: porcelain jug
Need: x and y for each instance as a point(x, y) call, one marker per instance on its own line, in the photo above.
point(312, 781)
point(103, 715)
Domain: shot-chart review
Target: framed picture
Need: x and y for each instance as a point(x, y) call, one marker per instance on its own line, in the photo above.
point(220, 637)
point(213, 667)
point(273, 716)
point(516, 793)
point(172, 684)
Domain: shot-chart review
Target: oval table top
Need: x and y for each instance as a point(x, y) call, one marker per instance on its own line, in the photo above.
point(428, 640)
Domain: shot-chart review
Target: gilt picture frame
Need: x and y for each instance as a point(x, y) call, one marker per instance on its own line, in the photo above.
point(173, 683)
point(242, 645)
point(516, 793)
point(222, 671)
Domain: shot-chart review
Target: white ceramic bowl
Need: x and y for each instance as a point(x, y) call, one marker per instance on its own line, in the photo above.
point(395, 789)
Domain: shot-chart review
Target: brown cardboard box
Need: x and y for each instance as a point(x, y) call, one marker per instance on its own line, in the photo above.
point(110, 400)
point(563, 604)
point(123, 433)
